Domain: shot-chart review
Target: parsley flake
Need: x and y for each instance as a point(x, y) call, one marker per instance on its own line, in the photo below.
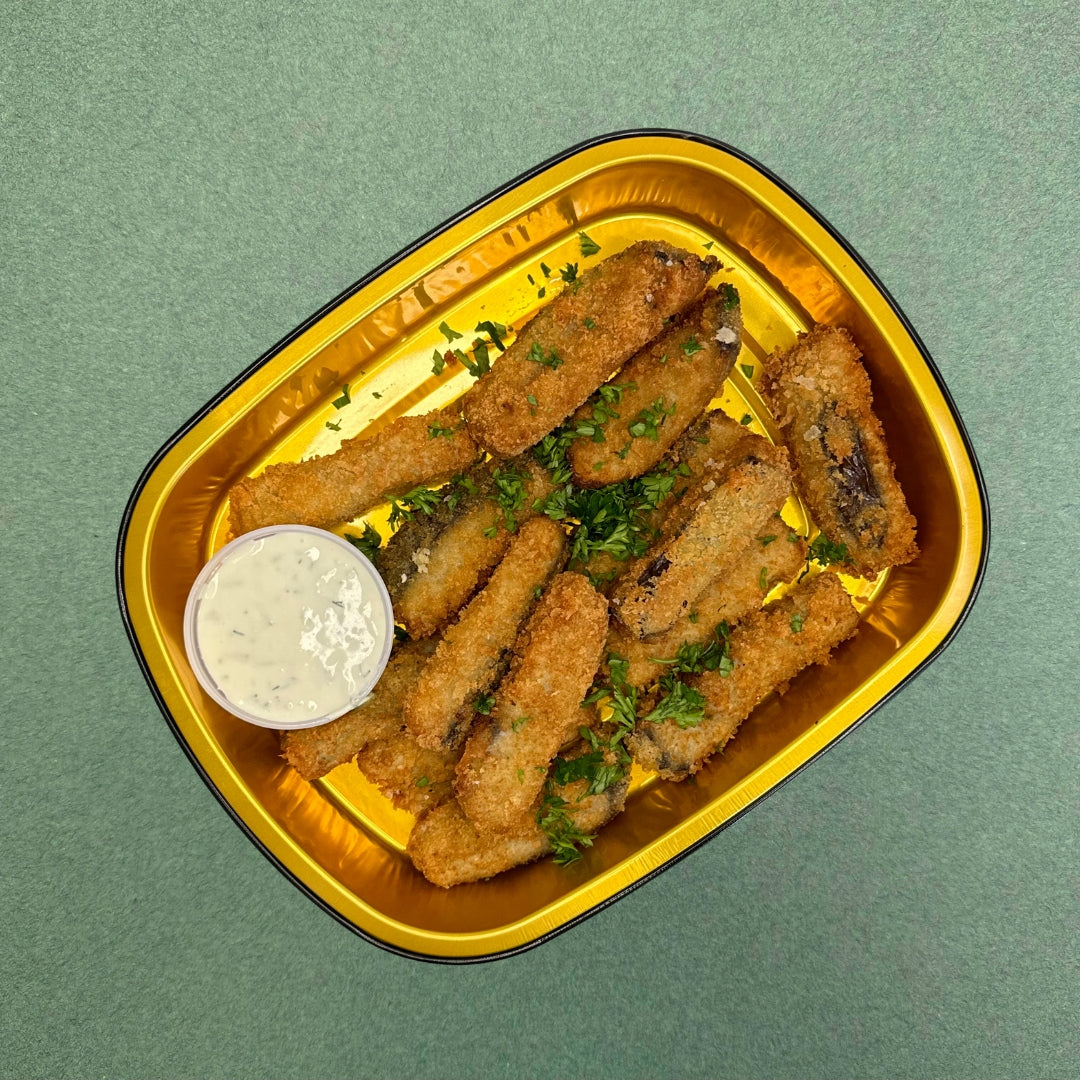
point(797, 621)
point(536, 354)
point(333, 426)
point(588, 245)
point(341, 402)
point(747, 370)
point(447, 332)
point(569, 272)
point(746, 419)
point(763, 578)
point(438, 362)
point(767, 540)
point(484, 704)
point(436, 429)
point(691, 346)
point(496, 331)
point(423, 782)
point(589, 323)
point(367, 542)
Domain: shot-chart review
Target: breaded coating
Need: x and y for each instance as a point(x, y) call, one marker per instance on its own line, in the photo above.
point(579, 340)
point(475, 650)
point(820, 394)
point(412, 778)
point(659, 393)
point(732, 502)
point(433, 564)
point(768, 649)
point(448, 850)
point(537, 705)
point(766, 561)
point(313, 752)
point(328, 490)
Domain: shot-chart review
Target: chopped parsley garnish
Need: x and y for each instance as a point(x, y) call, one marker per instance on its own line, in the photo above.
point(447, 332)
point(588, 323)
point(541, 293)
point(438, 362)
point(824, 551)
point(367, 542)
point(731, 297)
point(691, 346)
point(436, 429)
point(569, 272)
point(545, 270)
point(509, 494)
point(423, 782)
point(484, 704)
point(480, 356)
point(765, 541)
point(693, 616)
point(797, 621)
point(793, 538)
point(588, 245)
point(341, 402)
point(558, 826)
point(680, 703)
point(496, 331)
point(376, 394)
point(692, 658)
point(521, 776)
point(520, 722)
point(647, 422)
point(332, 426)
point(624, 451)
point(537, 356)
point(763, 578)
point(708, 246)
point(747, 370)
point(746, 419)
point(531, 399)
point(421, 500)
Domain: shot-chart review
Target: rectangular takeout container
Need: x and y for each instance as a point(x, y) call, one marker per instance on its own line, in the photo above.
point(337, 838)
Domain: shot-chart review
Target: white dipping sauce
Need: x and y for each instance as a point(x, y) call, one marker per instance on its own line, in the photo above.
point(292, 626)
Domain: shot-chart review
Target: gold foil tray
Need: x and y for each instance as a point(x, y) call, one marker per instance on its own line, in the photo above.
point(338, 838)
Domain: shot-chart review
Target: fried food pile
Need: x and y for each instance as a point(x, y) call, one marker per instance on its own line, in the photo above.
point(581, 554)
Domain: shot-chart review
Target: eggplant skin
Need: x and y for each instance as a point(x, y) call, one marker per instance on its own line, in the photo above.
point(819, 392)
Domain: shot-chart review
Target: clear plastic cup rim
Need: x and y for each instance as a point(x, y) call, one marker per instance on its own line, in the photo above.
point(191, 637)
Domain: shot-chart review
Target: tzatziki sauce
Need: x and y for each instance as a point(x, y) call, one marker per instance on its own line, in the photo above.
point(291, 625)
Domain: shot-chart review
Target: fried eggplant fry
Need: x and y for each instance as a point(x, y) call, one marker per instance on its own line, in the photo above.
point(658, 394)
point(768, 649)
point(412, 778)
point(537, 705)
point(578, 341)
point(820, 394)
point(768, 560)
point(325, 491)
point(474, 651)
point(313, 752)
point(433, 564)
point(448, 849)
point(734, 499)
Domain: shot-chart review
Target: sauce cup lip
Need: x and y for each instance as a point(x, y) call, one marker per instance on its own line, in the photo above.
point(198, 664)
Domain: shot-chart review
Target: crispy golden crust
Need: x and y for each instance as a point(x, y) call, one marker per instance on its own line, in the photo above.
point(731, 596)
point(671, 382)
point(733, 501)
point(767, 653)
point(820, 394)
point(537, 706)
point(433, 564)
point(625, 299)
point(313, 752)
point(414, 779)
point(473, 651)
point(325, 491)
point(448, 850)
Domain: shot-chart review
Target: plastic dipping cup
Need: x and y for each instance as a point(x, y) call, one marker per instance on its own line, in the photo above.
point(288, 627)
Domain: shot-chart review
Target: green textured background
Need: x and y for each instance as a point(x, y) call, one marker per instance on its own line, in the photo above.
point(181, 187)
